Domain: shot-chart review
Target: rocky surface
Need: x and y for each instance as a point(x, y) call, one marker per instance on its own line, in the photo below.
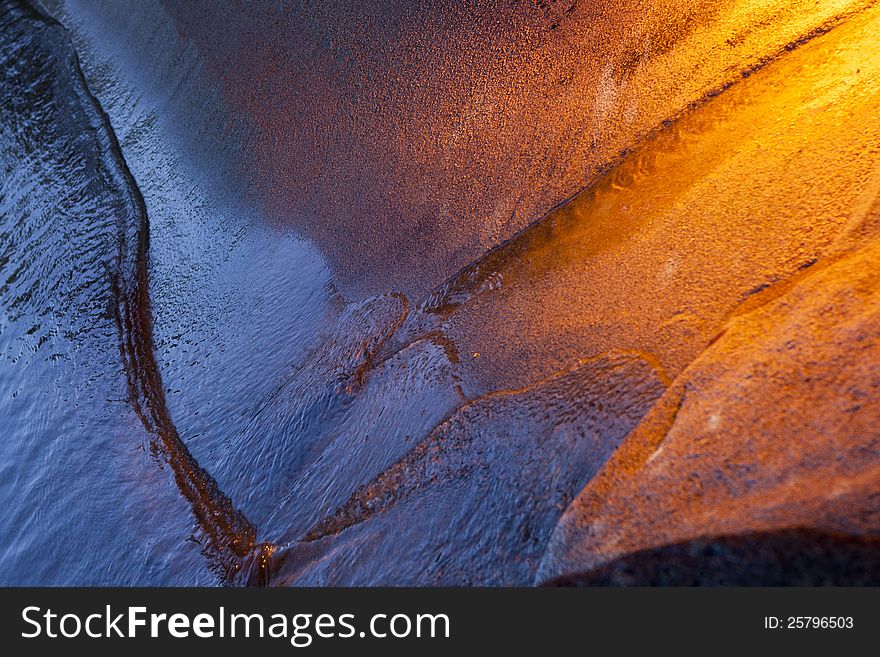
point(771, 427)
point(668, 378)
point(734, 249)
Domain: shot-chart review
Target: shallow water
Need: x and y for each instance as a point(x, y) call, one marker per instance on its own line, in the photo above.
point(212, 343)
point(76, 506)
point(230, 354)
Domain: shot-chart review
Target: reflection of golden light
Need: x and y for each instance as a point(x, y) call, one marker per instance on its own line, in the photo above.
point(768, 134)
point(738, 193)
point(484, 129)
